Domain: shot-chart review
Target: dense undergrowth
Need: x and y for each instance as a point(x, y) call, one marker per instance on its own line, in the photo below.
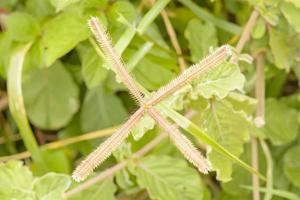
point(60, 99)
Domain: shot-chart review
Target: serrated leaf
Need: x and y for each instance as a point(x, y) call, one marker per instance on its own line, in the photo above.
point(292, 14)
point(93, 70)
point(104, 190)
point(51, 97)
point(292, 165)
point(59, 36)
point(281, 122)
point(168, 178)
point(51, 186)
point(101, 110)
point(201, 36)
point(281, 50)
point(230, 129)
point(22, 27)
point(219, 82)
point(140, 128)
point(16, 181)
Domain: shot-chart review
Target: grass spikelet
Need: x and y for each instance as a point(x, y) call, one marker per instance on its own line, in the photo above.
point(188, 75)
point(182, 143)
point(105, 149)
point(113, 58)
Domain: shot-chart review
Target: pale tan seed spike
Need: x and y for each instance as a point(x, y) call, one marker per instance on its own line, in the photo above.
point(211, 61)
point(114, 59)
point(182, 143)
point(105, 149)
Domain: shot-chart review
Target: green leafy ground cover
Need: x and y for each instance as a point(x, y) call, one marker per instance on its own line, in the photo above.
point(59, 99)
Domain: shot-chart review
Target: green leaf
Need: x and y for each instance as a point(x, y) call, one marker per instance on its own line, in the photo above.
point(292, 165)
point(259, 29)
point(104, 190)
point(281, 50)
point(51, 186)
point(60, 157)
point(278, 129)
point(155, 62)
point(62, 4)
point(295, 2)
point(51, 97)
point(93, 71)
point(101, 110)
point(16, 181)
point(143, 125)
point(59, 35)
point(168, 178)
point(22, 27)
point(220, 81)
point(230, 129)
point(201, 37)
point(292, 14)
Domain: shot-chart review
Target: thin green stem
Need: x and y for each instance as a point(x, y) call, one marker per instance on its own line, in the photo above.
point(269, 174)
point(16, 102)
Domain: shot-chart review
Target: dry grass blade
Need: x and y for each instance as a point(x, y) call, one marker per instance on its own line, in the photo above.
point(188, 75)
point(182, 143)
point(106, 148)
point(112, 56)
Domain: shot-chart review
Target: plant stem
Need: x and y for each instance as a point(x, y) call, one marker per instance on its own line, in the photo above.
point(16, 103)
point(254, 163)
point(269, 174)
point(63, 143)
point(247, 31)
point(172, 34)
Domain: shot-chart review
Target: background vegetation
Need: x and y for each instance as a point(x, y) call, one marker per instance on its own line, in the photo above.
point(59, 98)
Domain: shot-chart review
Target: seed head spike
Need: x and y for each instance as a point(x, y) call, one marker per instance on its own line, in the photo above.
point(105, 149)
point(113, 58)
point(182, 143)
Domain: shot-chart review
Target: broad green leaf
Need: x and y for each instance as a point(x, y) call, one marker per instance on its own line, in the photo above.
point(93, 71)
point(281, 50)
point(101, 109)
point(59, 35)
point(104, 190)
point(22, 27)
point(51, 97)
point(154, 63)
point(230, 129)
point(60, 157)
point(51, 186)
point(292, 14)
point(292, 165)
point(40, 9)
point(167, 178)
point(242, 102)
point(62, 4)
point(220, 81)
point(16, 181)
point(281, 122)
point(201, 37)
